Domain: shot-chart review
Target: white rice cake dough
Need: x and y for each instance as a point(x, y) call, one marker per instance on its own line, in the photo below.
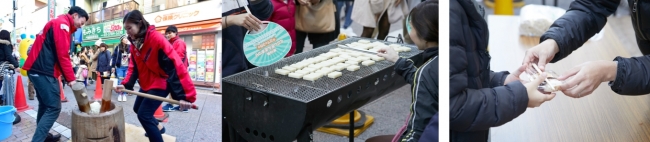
point(335, 74)
point(317, 66)
point(282, 72)
point(299, 65)
point(296, 75)
point(302, 71)
point(338, 59)
point(320, 59)
point(368, 62)
point(350, 62)
point(345, 56)
point(328, 63)
point(364, 41)
point(394, 45)
point(399, 49)
point(377, 58)
point(353, 68)
point(289, 68)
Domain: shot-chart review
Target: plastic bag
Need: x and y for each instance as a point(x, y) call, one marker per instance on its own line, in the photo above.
point(535, 20)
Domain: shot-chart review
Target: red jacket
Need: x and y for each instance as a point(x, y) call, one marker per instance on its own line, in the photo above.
point(181, 49)
point(50, 56)
point(157, 66)
point(283, 14)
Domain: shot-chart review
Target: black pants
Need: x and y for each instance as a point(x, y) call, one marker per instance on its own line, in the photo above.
point(145, 108)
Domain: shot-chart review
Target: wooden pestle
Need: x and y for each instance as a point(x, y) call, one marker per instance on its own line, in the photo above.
point(106, 96)
point(79, 90)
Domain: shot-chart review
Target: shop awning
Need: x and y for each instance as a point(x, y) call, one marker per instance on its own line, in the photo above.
point(195, 27)
point(107, 41)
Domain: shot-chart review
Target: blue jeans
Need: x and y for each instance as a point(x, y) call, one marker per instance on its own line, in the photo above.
point(145, 108)
point(348, 12)
point(121, 72)
point(49, 103)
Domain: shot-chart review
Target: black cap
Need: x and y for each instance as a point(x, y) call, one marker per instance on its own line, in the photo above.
point(171, 28)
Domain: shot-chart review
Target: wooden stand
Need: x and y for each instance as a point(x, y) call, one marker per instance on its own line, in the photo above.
point(104, 127)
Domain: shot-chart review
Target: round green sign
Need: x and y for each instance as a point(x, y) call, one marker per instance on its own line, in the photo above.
point(267, 46)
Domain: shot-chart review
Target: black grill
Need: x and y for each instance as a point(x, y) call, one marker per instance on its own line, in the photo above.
point(263, 106)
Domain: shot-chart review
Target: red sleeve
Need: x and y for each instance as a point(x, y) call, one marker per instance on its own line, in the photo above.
point(131, 73)
point(179, 82)
point(180, 50)
point(62, 37)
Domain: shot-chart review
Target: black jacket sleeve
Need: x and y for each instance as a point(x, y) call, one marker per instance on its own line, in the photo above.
point(632, 76)
point(262, 9)
point(9, 57)
point(114, 56)
point(406, 68)
point(480, 109)
point(583, 20)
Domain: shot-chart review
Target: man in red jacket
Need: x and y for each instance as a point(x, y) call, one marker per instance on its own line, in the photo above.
point(171, 33)
point(49, 61)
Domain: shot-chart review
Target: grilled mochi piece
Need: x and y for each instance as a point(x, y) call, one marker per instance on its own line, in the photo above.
point(296, 75)
point(282, 71)
point(363, 41)
point(335, 74)
point(353, 68)
point(377, 58)
point(289, 68)
point(368, 62)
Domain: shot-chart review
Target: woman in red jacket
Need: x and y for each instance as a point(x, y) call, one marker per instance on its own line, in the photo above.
point(159, 71)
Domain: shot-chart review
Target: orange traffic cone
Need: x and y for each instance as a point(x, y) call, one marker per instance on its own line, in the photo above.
point(98, 88)
point(160, 115)
point(19, 101)
point(63, 99)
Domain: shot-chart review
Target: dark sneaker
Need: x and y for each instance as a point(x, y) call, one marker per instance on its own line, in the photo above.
point(179, 109)
point(53, 138)
point(168, 108)
point(162, 131)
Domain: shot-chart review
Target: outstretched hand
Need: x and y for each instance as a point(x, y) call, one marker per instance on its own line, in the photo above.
point(542, 54)
point(535, 97)
point(514, 76)
point(583, 79)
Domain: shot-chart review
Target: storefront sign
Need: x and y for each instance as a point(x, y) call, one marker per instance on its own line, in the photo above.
point(268, 46)
point(195, 12)
point(103, 30)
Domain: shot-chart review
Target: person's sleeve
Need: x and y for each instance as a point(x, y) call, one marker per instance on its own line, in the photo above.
point(498, 78)
point(583, 20)
point(131, 75)
point(62, 38)
point(179, 82)
point(430, 133)
point(12, 60)
point(480, 109)
point(262, 9)
point(180, 50)
point(114, 57)
point(405, 67)
point(632, 76)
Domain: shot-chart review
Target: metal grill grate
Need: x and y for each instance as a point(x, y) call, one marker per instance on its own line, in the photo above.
point(265, 79)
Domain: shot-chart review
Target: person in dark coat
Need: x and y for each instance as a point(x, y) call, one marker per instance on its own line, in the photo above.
point(585, 18)
point(423, 79)
point(481, 98)
point(6, 50)
point(103, 62)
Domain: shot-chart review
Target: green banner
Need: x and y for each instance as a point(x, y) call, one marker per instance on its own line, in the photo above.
point(103, 30)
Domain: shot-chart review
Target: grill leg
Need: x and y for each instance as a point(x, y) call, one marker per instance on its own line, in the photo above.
point(351, 129)
point(306, 136)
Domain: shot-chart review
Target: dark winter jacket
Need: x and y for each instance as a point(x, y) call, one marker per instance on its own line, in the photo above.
point(116, 61)
point(430, 133)
point(5, 53)
point(585, 18)
point(156, 65)
point(234, 60)
point(424, 86)
point(479, 99)
point(103, 61)
point(51, 47)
